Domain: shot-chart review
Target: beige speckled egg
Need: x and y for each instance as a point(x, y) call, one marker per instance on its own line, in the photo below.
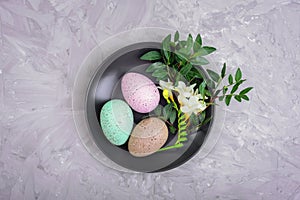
point(147, 137)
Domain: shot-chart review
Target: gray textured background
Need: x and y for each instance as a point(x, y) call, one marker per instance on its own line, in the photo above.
point(44, 42)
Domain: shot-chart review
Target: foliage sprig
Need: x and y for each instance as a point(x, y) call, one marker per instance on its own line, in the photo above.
point(179, 61)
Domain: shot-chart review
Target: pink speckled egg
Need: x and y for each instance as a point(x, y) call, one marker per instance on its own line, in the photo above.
point(139, 92)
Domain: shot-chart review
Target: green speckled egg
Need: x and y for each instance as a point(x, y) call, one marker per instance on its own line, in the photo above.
point(116, 119)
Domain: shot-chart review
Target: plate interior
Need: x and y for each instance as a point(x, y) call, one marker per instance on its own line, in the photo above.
point(105, 86)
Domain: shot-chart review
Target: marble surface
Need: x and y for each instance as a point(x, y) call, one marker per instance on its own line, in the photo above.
point(44, 42)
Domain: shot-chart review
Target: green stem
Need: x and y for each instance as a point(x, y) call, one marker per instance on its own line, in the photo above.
point(169, 123)
point(175, 106)
point(171, 147)
point(226, 95)
point(181, 132)
point(181, 126)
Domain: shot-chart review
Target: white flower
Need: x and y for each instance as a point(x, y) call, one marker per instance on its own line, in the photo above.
point(190, 101)
point(192, 105)
point(184, 90)
point(166, 86)
point(199, 96)
point(182, 99)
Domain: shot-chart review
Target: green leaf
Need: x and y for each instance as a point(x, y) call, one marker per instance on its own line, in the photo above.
point(207, 93)
point(199, 40)
point(189, 43)
point(208, 49)
point(160, 73)
point(214, 76)
point(166, 47)
point(200, 52)
point(194, 119)
point(196, 47)
point(183, 53)
point(223, 72)
point(244, 97)
point(151, 55)
point(172, 129)
point(217, 92)
point(238, 98)
point(155, 66)
point(166, 114)
point(178, 58)
point(221, 98)
point(182, 44)
point(245, 91)
point(210, 84)
point(206, 121)
point(176, 36)
point(157, 111)
point(195, 73)
point(241, 81)
point(185, 69)
point(182, 59)
point(167, 111)
point(199, 61)
point(202, 116)
point(235, 88)
point(172, 44)
point(238, 75)
point(162, 77)
point(228, 99)
point(230, 79)
point(202, 89)
point(173, 116)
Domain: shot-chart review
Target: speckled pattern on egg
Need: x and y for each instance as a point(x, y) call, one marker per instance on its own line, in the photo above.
point(140, 92)
point(147, 137)
point(116, 119)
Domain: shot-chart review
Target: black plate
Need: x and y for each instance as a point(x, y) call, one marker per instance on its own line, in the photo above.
point(105, 86)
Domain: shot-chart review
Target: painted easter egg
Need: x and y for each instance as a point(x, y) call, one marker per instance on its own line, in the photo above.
point(116, 119)
point(147, 137)
point(139, 92)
